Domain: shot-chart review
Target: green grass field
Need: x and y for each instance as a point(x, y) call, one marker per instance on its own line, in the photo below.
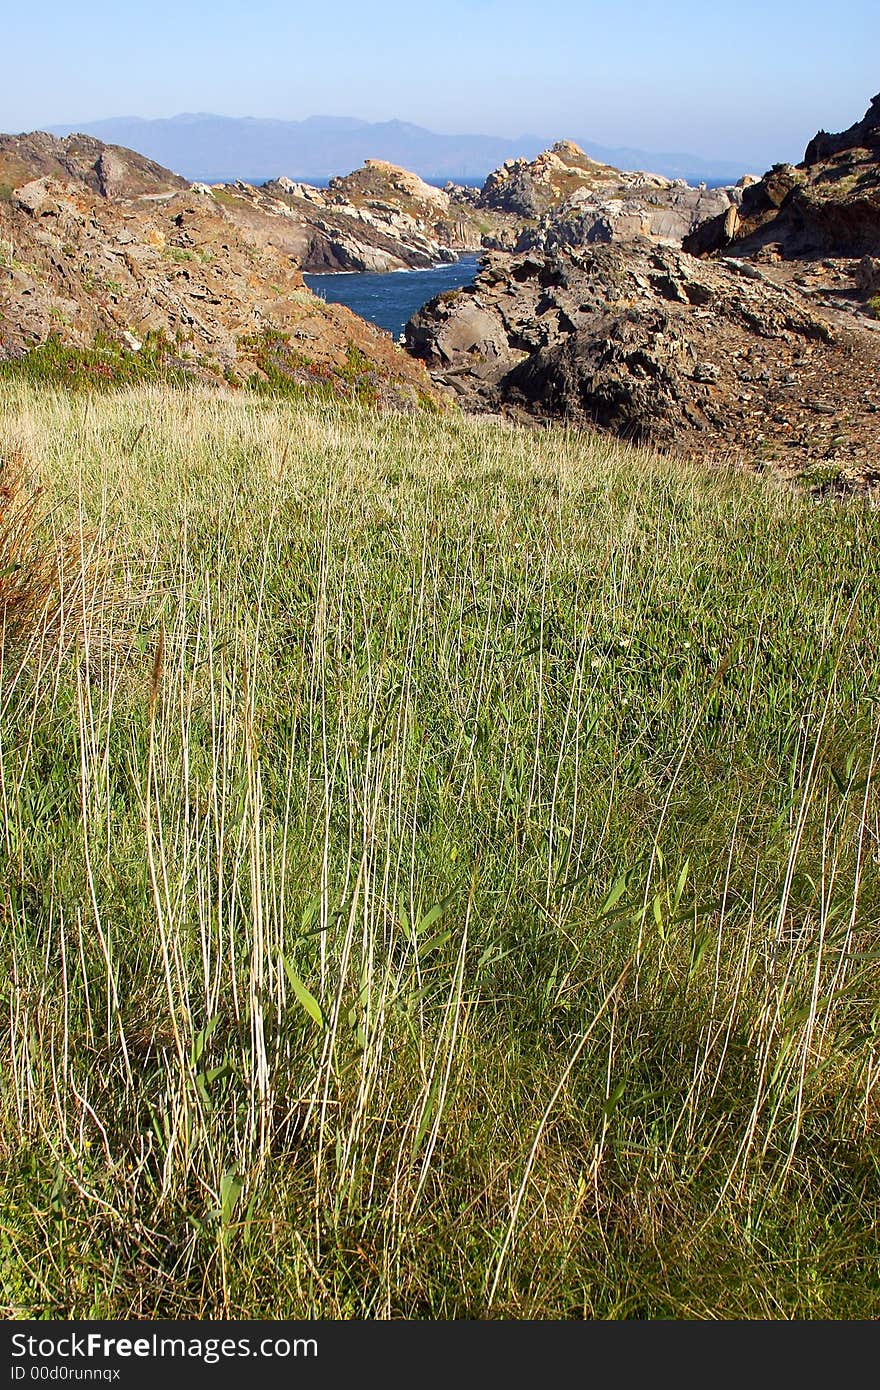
point(439, 872)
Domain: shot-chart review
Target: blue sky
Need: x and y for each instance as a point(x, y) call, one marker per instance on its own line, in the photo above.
point(751, 82)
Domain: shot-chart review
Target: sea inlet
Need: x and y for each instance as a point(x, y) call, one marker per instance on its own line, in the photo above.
point(391, 298)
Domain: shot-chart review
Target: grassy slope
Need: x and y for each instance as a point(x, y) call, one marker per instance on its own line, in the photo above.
point(439, 876)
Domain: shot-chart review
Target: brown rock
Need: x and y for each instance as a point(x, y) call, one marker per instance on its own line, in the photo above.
point(829, 205)
point(653, 345)
point(108, 170)
point(867, 276)
point(216, 281)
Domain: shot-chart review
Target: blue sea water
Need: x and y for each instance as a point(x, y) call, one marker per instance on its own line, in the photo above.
point(392, 298)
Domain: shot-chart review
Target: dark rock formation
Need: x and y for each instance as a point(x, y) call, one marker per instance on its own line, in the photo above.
point(655, 346)
point(829, 205)
point(867, 275)
point(864, 134)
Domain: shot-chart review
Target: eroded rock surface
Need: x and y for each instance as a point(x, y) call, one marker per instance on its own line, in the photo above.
point(829, 205)
point(758, 338)
point(378, 218)
point(78, 260)
point(656, 346)
point(567, 200)
point(108, 170)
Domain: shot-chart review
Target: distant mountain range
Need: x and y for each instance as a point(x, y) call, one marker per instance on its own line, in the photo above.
point(223, 148)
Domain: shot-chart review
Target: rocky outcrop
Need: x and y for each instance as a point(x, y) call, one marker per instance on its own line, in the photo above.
point(108, 170)
point(863, 135)
point(83, 264)
point(602, 318)
point(531, 188)
point(169, 261)
point(378, 218)
point(382, 217)
point(566, 200)
point(637, 205)
point(653, 345)
point(829, 205)
point(867, 275)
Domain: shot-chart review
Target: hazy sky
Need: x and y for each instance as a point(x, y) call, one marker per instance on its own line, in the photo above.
point(750, 82)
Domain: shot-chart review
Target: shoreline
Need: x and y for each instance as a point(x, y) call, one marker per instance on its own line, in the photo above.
point(398, 270)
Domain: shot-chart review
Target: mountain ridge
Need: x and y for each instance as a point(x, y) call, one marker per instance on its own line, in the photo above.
point(218, 149)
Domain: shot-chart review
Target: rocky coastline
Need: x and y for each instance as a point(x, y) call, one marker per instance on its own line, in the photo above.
point(98, 245)
point(748, 327)
point(744, 318)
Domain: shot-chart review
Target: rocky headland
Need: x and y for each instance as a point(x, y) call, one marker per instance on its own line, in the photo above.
point(97, 243)
point(382, 217)
point(565, 198)
point(828, 205)
point(378, 218)
point(751, 331)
